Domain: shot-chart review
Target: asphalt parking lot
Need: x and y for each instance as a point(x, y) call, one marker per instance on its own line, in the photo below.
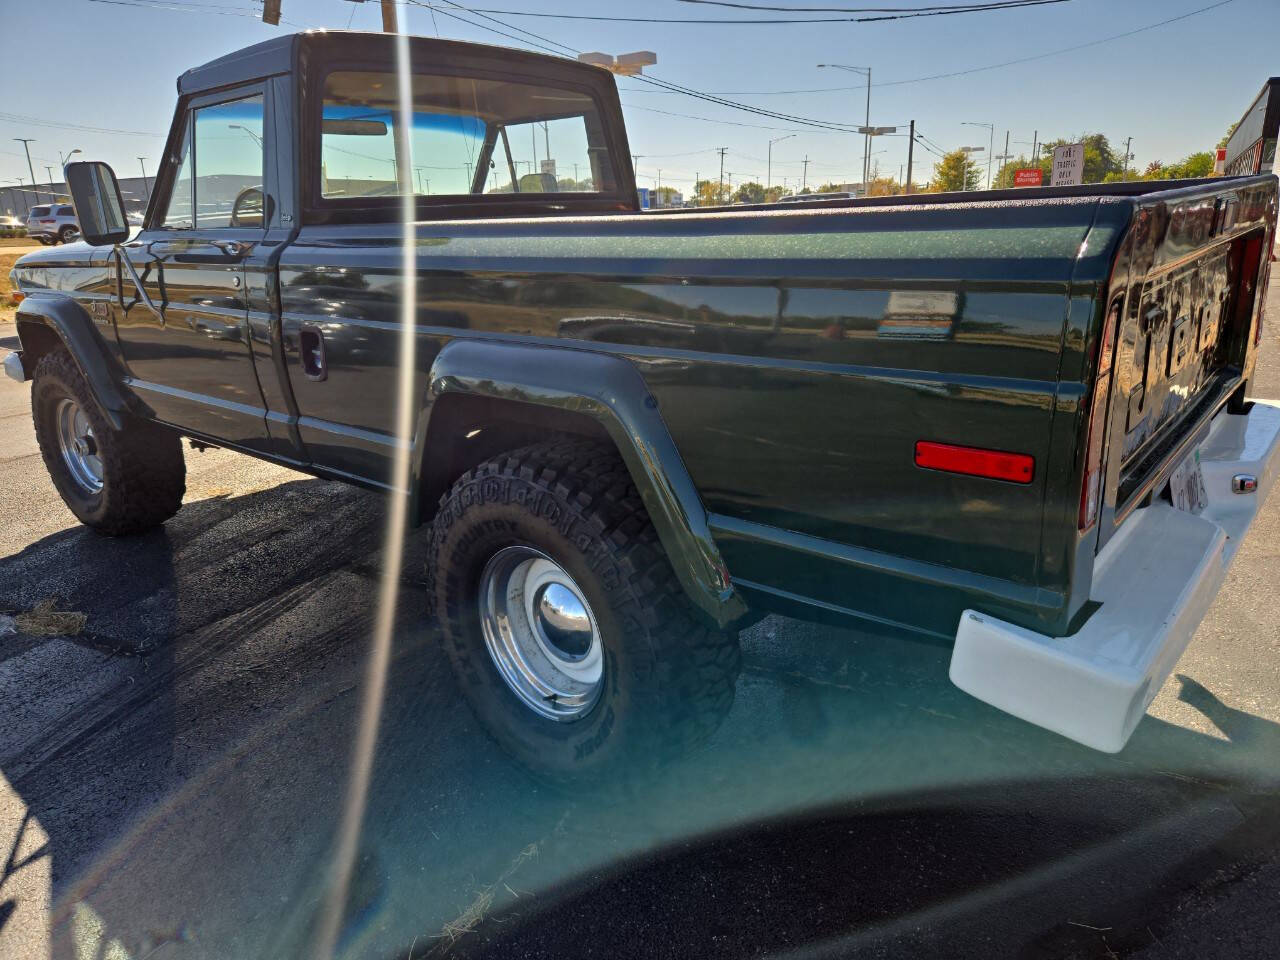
point(171, 777)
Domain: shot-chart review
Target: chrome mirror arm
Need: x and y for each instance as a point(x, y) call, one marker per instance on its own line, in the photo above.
point(137, 284)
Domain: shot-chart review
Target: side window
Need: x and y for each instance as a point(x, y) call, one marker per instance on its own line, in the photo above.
point(178, 214)
point(66, 211)
point(219, 182)
point(229, 164)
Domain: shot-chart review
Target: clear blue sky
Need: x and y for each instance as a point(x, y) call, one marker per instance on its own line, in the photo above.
point(1174, 88)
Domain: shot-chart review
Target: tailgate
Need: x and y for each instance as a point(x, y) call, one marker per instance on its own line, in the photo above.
point(1188, 289)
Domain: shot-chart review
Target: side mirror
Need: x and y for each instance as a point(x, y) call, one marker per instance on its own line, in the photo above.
point(99, 207)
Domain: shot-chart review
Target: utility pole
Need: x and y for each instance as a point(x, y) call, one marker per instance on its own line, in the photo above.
point(146, 184)
point(722, 151)
point(389, 17)
point(804, 179)
point(26, 145)
point(1005, 158)
point(911, 145)
point(1127, 144)
point(659, 186)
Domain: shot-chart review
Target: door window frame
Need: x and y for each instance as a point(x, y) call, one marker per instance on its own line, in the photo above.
point(183, 128)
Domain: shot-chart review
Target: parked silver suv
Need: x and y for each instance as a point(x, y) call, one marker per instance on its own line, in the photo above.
point(53, 223)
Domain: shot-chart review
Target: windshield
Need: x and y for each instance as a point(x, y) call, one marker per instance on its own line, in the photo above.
point(719, 479)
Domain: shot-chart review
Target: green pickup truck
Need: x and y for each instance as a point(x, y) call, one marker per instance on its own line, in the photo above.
point(1016, 422)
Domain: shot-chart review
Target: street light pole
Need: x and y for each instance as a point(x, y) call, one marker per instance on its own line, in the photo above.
point(769, 160)
point(69, 155)
point(991, 136)
point(866, 145)
point(26, 145)
point(146, 184)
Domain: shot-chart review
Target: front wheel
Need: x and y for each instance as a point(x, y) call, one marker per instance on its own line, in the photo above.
point(116, 481)
point(563, 620)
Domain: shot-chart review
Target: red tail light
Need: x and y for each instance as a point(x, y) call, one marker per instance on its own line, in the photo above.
point(1091, 488)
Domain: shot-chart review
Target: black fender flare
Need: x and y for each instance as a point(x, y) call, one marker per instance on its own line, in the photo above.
point(76, 330)
point(609, 390)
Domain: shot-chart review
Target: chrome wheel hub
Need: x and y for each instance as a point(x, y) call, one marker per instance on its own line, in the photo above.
point(79, 446)
point(541, 634)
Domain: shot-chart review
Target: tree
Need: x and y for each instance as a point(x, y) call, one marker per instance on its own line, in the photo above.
point(1227, 136)
point(709, 193)
point(956, 172)
point(749, 192)
point(884, 187)
point(775, 193)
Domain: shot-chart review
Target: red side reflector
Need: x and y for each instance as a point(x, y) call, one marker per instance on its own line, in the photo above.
point(996, 464)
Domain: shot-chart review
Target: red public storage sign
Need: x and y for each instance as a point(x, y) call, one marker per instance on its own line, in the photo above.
point(1029, 177)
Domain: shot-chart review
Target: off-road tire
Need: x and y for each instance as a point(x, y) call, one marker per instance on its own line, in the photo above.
point(143, 471)
point(669, 674)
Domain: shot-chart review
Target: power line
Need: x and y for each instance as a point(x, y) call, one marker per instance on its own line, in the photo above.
point(757, 21)
point(937, 9)
point(1054, 53)
point(655, 81)
point(969, 70)
point(42, 122)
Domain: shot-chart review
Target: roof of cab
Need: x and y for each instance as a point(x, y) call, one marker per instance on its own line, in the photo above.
point(260, 60)
point(278, 56)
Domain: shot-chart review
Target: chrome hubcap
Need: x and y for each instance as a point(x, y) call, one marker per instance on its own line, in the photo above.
point(541, 634)
point(79, 446)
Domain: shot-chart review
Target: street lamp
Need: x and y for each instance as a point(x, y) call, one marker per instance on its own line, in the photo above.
point(991, 142)
point(256, 139)
point(624, 64)
point(69, 155)
point(769, 160)
point(964, 182)
point(26, 204)
point(866, 147)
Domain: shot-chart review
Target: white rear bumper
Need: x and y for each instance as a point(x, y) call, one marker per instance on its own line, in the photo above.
point(1155, 579)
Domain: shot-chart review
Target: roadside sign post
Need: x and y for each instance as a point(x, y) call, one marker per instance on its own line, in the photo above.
point(1068, 165)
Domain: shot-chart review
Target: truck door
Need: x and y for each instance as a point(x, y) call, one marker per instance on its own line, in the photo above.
point(193, 365)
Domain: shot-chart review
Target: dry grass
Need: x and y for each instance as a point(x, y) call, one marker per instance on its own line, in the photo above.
point(43, 621)
point(7, 309)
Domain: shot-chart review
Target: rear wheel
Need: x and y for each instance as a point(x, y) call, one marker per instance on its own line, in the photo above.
point(565, 625)
point(68, 234)
point(116, 481)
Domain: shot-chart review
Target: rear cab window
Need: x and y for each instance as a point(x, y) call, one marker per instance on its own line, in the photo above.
point(474, 140)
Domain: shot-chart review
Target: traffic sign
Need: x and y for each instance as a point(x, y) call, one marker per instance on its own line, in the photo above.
point(1028, 177)
point(1068, 165)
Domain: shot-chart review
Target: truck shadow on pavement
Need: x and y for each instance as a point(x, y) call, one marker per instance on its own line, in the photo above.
point(186, 756)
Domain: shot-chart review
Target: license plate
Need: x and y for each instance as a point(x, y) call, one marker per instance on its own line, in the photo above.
point(1186, 485)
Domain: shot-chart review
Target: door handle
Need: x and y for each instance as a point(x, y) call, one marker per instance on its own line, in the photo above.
point(311, 346)
point(233, 248)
